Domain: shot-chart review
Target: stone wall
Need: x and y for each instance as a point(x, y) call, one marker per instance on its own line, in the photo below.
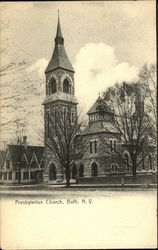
point(140, 179)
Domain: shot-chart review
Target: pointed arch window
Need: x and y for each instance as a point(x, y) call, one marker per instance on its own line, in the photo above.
point(48, 124)
point(66, 86)
point(150, 162)
point(8, 163)
point(52, 86)
point(94, 169)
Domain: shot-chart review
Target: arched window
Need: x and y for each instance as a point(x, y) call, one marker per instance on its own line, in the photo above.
point(91, 149)
point(127, 161)
point(112, 168)
point(48, 124)
point(150, 162)
point(81, 170)
point(116, 167)
point(94, 169)
point(66, 87)
point(7, 163)
point(74, 172)
point(52, 86)
point(95, 146)
point(52, 172)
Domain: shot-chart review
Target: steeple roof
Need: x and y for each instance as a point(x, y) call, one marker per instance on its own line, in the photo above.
point(59, 34)
point(99, 105)
point(59, 58)
point(94, 108)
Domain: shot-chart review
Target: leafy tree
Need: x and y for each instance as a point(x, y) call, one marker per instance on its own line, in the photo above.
point(130, 120)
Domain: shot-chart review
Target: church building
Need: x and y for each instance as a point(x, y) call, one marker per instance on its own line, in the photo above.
point(60, 94)
point(22, 163)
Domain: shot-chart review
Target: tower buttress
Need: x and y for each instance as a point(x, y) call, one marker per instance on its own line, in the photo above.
point(60, 91)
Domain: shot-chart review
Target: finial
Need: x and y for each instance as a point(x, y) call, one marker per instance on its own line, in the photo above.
point(58, 13)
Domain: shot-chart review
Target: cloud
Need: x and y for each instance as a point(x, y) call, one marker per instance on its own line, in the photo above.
point(97, 68)
point(39, 66)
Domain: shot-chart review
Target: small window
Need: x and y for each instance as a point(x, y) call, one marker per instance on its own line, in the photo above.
point(81, 170)
point(10, 175)
point(48, 124)
point(94, 169)
point(74, 172)
point(115, 145)
point(25, 175)
point(116, 167)
point(5, 176)
point(111, 145)
point(127, 161)
point(150, 162)
point(64, 115)
point(7, 163)
point(72, 117)
point(91, 149)
point(32, 175)
point(95, 146)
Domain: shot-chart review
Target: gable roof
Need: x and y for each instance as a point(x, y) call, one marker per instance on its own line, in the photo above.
point(17, 151)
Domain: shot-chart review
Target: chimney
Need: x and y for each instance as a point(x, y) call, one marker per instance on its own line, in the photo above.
point(24, 141)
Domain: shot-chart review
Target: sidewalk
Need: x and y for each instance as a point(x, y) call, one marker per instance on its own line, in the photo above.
point(48, 186)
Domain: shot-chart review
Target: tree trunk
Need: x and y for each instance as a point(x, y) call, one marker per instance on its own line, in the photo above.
point(134, 167)
point(19, 177)
point(67, 176)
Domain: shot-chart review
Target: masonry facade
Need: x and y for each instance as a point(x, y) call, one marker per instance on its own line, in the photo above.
point(106, 154)
point(60, 96)
point(99, 159)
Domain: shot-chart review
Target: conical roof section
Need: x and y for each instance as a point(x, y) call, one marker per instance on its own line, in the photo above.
point(59, 58)
point(94, 108)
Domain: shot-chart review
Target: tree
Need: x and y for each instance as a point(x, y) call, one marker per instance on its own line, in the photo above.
point(17, 85)
point(147, 83)
point(19, 147)
point(130, 120)
point(65, 139)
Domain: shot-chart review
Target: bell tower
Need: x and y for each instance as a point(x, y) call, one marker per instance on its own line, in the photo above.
point(60, 93)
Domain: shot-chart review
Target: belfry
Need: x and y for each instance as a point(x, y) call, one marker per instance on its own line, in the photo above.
point(60, 93)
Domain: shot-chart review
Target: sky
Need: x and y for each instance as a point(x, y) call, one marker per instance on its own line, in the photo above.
point(106, 42)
